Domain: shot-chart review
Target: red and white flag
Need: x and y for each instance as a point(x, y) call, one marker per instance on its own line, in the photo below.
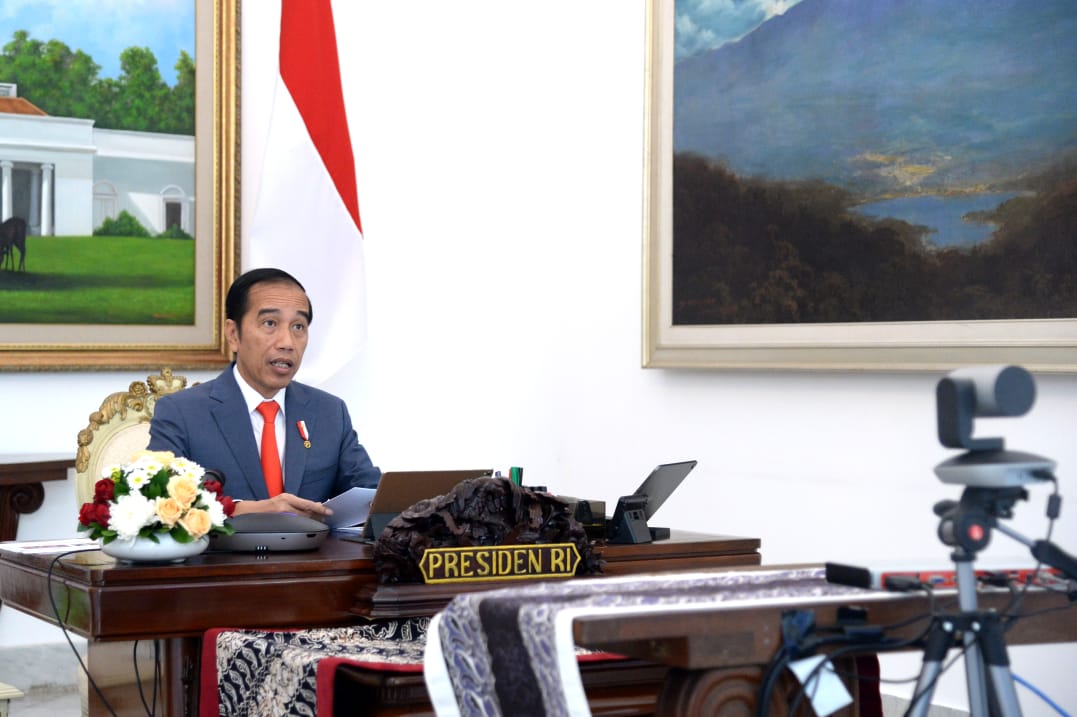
point(306, 217)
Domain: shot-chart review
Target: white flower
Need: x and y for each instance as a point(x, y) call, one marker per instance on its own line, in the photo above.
point(151, 464)
point(184, 467)
point(213, 506)
point(130, 513)
point(107, 471)
point(138, 477)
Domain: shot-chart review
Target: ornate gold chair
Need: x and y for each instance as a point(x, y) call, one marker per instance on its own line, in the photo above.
point(119, 429)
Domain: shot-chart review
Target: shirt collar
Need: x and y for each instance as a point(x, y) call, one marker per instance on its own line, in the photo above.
point(251, 397)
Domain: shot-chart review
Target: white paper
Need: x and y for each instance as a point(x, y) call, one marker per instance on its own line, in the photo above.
point(825, 689)
point(350, 507)
point(50, 547)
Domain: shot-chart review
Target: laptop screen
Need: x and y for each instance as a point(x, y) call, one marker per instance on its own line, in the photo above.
point(399, 490)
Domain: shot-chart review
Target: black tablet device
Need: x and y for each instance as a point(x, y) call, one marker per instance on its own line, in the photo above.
point(660, 484)
point(629, 522)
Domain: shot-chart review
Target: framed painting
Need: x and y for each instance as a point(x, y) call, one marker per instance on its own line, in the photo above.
point(120, 196)
point(860, 186)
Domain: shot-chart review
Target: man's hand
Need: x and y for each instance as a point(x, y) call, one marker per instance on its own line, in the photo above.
point(284, 503)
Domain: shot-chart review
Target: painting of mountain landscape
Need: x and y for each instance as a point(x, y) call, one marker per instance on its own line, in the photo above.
point(877, 161)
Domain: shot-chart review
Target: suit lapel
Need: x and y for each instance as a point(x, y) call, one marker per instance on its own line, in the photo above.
point(296, 408)
point(234, 423)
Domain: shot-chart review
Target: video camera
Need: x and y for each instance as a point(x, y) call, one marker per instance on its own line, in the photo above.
point(985, 392)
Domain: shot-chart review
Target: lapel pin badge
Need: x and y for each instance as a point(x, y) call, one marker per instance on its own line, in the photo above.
point(302, 426)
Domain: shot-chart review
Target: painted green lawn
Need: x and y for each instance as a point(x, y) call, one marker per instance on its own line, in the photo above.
point(101, 280)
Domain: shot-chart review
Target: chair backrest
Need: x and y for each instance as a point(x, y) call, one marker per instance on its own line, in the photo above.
point(119, 429)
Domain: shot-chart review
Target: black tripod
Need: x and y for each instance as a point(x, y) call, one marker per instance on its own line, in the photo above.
point(993, 478)
point(967, 526)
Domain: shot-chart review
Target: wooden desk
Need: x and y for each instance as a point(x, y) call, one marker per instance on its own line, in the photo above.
point(717, 654)
point(106, 601)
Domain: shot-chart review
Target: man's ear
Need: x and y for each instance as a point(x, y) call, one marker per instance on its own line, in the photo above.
point(231, 334)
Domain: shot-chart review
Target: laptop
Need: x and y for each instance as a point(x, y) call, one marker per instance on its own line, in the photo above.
point(399, 490)
point(629, 523)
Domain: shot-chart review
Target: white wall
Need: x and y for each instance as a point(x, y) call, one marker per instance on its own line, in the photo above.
point(499, 151)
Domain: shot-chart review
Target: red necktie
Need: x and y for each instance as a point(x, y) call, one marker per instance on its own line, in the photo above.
point(270, 456)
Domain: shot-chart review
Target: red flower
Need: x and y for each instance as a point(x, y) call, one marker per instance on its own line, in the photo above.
point(91, 513)
point(213, 486)
point(104, 490)
point(229, 505)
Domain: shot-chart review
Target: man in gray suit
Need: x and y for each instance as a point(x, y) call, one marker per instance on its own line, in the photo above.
point(218, 424)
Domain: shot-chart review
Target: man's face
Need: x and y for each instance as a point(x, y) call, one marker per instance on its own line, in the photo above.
point(271, 336)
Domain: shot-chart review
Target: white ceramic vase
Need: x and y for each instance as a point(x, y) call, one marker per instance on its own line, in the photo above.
point(144, 550)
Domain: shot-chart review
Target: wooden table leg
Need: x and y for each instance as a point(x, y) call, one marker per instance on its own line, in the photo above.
point(183, 656)
point(121, 679)
point(721, 692)
point(734, 692)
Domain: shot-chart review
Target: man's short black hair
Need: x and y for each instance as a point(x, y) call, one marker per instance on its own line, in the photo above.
point(235, 304)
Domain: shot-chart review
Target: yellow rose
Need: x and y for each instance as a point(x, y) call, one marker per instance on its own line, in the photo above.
point(197, 522)
point(168, 511)
point(184, 489)
point(162, 457)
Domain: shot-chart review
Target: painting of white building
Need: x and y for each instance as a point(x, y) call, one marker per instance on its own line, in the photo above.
point(65, 177)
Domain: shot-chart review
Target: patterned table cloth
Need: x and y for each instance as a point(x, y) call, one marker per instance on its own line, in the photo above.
point(510, 652)
point(500, 653)
point(255, 673)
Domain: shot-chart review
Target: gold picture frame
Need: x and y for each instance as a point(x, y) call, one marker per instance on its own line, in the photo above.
point(46, 347)
point(1044, 345)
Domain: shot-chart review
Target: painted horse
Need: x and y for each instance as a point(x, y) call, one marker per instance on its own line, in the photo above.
point(12, 237)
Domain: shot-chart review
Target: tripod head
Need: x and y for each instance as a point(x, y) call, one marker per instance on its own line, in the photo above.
point(967, 523)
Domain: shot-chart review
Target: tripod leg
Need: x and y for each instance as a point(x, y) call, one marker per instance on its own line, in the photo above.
point(939, 640)
point(974, 676)
point(997, 664)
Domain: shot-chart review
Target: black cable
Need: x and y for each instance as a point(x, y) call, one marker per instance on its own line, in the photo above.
point(856, 643)
point(852, 644)
point(63, 628)
point(158, 676)
point(60, 621)
point(151, 711)
point(796, 625)
point(872, 648)
point(770, 677)
point(1016, 602)
point(867, 648)
point(811, 680)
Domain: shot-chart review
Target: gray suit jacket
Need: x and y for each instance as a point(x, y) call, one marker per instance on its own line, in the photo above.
point(210, 425)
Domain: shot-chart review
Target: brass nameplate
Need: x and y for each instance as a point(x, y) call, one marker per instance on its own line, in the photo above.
point(499, 562)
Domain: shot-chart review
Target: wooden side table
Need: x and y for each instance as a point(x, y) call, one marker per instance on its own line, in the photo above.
point(21, 491)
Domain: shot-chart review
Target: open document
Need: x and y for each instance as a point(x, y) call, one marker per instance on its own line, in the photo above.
point(350, 509)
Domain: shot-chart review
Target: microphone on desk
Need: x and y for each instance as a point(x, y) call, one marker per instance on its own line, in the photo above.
point(214, 474)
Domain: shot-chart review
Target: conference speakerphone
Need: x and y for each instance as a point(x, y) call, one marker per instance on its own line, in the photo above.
point(271, 532)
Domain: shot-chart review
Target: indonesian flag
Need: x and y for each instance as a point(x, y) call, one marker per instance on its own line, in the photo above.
point(306, 216)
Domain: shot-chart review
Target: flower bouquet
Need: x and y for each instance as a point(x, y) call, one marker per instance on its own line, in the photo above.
point(156, 495)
